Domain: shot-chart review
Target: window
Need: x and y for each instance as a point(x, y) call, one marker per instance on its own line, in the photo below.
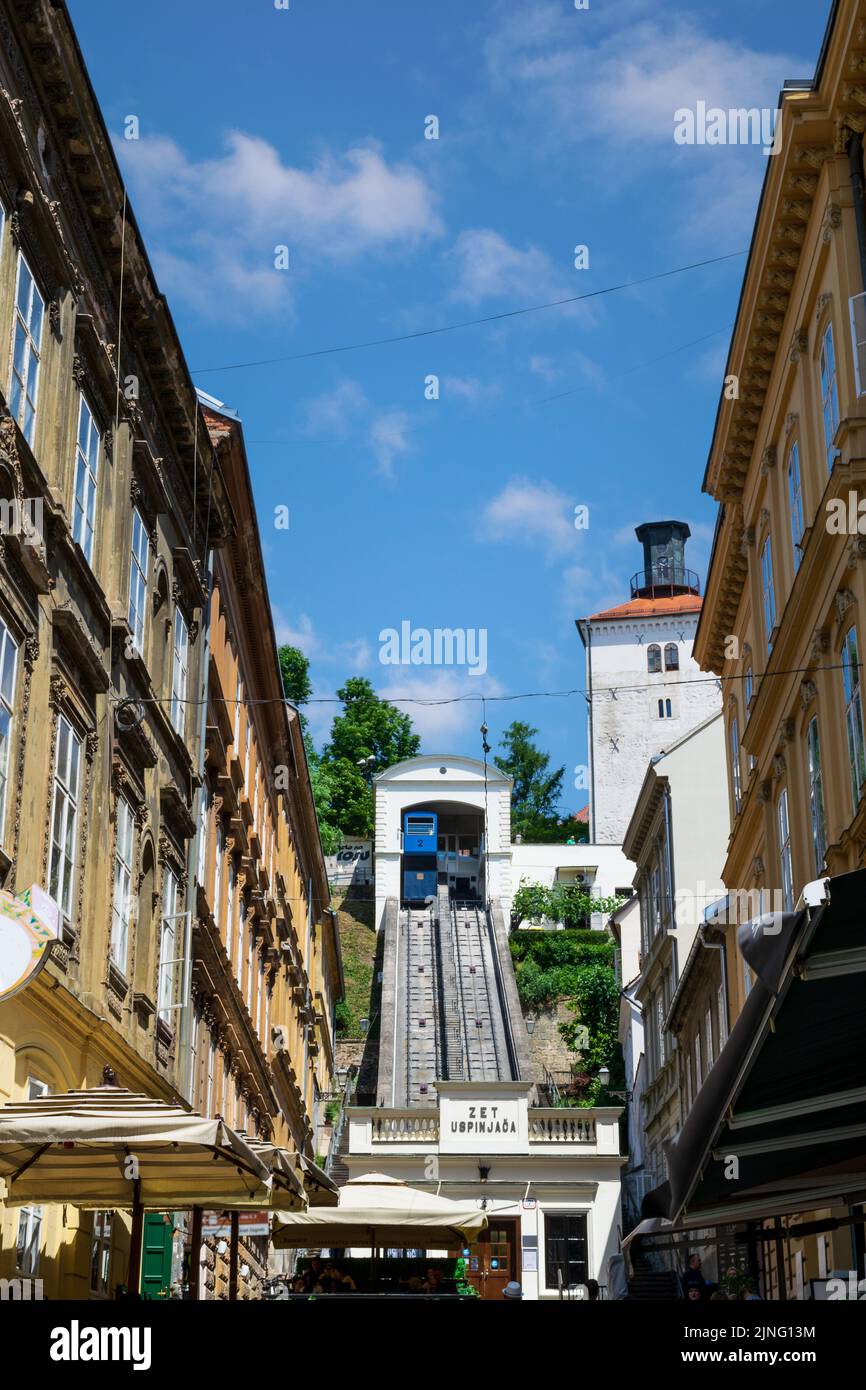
point(736, 773)
point(816, 792)
point(795, 503)
point(665, 709)
point(656, 900)
point(565, 1250)
point(138, 581)
point(748, 686)
point(853, 712)
point(689, 1096)
point(86, 475)
point(785, 852)
point(699, 1076)
point(169, 973)
point(660, 1029)
point(251, 968)
point(747, 978)
point(26, 347)
point(230, 915)
point(266, 1037)
point(219, 849)
point(829, 392)
point(211, 1068)
point(64, 818)
point(238, 912)
point(122, 905)
point(237, 722)
point(100, 1253)
point(247, 742)
point(201, 858)
point(672, 657)
point(179, 673)
point(8, 668)
point(708, 1038)
point(768, 591)
point(654, 658)
point(722, 1017)
point(30, 1218)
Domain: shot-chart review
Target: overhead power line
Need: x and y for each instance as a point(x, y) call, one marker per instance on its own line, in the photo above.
point(468, 323)
point(481, 697)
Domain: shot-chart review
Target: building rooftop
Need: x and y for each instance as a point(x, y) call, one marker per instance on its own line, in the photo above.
point(649, 607)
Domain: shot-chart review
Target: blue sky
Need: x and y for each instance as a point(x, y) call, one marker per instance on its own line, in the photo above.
point(305, 128)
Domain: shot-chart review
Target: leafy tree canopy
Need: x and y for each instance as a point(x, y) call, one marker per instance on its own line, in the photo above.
point(367, 728)
point(537, 790)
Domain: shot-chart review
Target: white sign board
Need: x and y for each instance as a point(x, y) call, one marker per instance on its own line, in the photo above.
point(483, 1125)
point(28, 929)
point(353, 863)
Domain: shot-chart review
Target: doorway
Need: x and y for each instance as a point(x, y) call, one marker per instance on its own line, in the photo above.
point(493, 1259)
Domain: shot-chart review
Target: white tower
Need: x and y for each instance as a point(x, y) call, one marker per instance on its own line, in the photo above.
point(638, 671)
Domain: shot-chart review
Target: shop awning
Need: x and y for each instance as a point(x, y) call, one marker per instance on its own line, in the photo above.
point(779, 1124)
point(108, 1147)
point(319, 1189)
point(379, 1211)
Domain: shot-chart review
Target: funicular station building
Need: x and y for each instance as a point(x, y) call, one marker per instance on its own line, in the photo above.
point(458, 1110)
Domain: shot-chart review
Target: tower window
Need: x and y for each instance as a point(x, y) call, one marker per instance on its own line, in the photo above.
point(665, 710)
point(654, 658)
point(672, 657)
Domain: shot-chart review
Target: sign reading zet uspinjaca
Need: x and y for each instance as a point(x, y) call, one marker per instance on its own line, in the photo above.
point(28, 929)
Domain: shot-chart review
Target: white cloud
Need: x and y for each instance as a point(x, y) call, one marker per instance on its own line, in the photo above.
point(489, 267)
point(531, 513)
point(470, 389)
point(616, 82)
point(333, 412)
point(303, 635)
point(440, 726)
point(219, 220)
point(389, 439)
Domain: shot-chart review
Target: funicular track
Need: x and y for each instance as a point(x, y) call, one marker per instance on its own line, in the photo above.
point(454, 1019)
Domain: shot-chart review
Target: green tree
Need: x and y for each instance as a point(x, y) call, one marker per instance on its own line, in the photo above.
point(298, 687)
point(537, 790)
point(368, 728)
point(295, 671)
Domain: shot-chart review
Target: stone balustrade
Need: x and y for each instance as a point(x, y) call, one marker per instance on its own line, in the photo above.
point(561, 1127)
point(406, 1127)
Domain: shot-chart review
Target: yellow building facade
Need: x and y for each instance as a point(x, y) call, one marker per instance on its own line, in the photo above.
point(784, 618)
point(112, 503)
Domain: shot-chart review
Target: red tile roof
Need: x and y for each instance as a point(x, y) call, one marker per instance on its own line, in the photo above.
point(649, 607)
point(582, 815)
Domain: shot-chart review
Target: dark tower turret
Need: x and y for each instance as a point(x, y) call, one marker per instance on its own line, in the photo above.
point(664, 572)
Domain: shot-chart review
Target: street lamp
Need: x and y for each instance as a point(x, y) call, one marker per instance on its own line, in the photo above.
point(604, 1078)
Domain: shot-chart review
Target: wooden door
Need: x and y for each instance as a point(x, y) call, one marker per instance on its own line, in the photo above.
point(493, 1261)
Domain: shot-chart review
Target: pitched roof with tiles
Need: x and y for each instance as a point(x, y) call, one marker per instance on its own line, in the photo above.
point(649, 607)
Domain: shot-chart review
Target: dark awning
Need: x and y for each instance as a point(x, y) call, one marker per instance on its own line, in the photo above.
point(780, 1122)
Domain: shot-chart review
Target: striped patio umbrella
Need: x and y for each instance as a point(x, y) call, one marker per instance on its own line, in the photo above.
point(111, 1148)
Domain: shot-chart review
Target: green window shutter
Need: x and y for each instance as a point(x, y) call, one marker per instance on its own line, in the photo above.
point(156, 1255)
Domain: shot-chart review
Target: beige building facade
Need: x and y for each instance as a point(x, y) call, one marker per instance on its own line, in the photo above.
point(112, 506)
point(784, 619)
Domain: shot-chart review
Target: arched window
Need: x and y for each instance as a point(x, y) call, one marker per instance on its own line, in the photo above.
point(654, 658)
point(672, 657)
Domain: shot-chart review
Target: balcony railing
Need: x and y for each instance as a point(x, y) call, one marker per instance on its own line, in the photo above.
point(560, 1128)
point(663, 580)
point(411, 1127)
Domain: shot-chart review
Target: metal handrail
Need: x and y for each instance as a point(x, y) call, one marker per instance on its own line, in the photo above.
point(665, 576)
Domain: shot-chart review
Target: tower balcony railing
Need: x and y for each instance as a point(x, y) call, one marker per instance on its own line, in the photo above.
point(663, 580)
